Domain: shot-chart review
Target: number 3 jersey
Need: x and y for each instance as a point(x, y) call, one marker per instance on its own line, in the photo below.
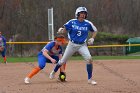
point(78, 31)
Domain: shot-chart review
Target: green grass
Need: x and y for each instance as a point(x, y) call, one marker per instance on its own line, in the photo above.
point(20, 59)
point(34, 59)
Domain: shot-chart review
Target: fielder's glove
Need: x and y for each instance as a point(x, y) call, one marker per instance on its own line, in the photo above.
point(90, 41)
point(62, 76)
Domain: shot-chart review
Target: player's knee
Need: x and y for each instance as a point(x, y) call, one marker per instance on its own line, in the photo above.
point(89, 60)
point(60, 62)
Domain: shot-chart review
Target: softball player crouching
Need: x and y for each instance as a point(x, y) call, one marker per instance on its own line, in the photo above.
point(78, 29)
point(51, 53)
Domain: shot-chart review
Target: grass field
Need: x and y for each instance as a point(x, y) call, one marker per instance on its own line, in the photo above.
point(34, 59)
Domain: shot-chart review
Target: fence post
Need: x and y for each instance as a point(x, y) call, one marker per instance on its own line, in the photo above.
point(21, 50)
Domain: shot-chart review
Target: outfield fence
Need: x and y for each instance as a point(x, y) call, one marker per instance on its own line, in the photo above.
point(25, 49)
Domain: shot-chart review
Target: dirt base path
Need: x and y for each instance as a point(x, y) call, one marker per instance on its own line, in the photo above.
point(113, 76)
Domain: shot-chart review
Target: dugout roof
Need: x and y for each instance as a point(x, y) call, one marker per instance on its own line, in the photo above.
point(133, 40)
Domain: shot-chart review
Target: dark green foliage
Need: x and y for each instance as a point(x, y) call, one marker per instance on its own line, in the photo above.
point(109, 38)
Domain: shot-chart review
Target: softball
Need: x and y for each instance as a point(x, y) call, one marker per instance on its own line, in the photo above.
point(62, 76)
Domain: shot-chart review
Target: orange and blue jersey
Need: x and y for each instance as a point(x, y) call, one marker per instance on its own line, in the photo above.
point(52, 51)
point(3, 44)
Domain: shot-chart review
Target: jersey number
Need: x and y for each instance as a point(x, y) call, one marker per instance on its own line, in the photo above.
point(79, 33)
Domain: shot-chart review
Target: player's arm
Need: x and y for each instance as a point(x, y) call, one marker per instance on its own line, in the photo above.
point(94, 31)
point(66, 27)
point(94, 34)
point(91, 40)
point(45, 53)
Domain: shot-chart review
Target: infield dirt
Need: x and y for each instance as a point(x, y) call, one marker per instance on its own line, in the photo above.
point(112, 76)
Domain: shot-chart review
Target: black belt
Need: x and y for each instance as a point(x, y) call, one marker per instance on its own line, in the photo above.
point(77, 42)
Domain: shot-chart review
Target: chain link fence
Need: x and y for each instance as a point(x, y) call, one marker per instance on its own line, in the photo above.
point(32, 48)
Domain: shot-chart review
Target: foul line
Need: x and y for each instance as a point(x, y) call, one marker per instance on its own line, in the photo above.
point(131, 82)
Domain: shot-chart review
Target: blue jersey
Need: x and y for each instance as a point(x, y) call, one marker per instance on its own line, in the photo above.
point(2, 41)
point(52, 50)
point(78, 31)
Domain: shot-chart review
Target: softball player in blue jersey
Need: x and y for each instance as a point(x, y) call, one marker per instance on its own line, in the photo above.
point(78, 33)
point(51, 53)
point(3, 47)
